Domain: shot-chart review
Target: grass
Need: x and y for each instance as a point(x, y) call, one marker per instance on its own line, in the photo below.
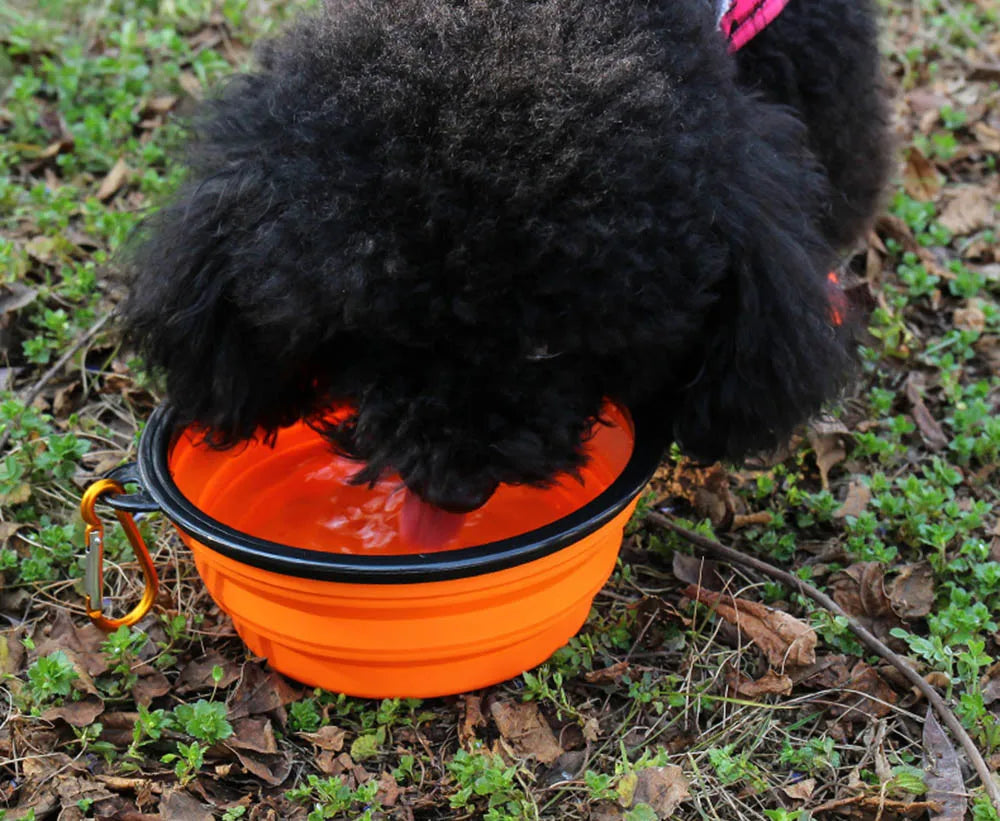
point(92, 95)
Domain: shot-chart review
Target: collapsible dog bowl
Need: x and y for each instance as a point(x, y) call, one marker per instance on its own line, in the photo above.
point(265, 527)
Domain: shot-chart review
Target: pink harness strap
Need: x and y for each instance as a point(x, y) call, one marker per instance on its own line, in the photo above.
point(745, 19)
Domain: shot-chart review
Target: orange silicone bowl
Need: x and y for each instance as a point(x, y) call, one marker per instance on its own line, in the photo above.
point(377, 621)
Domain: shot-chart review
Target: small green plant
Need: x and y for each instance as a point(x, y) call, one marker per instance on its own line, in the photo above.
point(484, 778)
point(50, 678)
point(331, 797)
point(203, 720)
point(187, 761)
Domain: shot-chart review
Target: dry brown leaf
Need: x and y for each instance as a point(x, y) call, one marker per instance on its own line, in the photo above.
point(987, 137)
point(161, 104)
point(800, 790)
point(698, 571)
point(930, 430)
point(388, 790)
point(785, 640)
point(871, 696)
point(80, 713)
point(771, 683)
point(943, 773)
point(921, 179)
point(990, 684)
point(971, 210)
point(190, 83)
point(11, 651)
point(271, 769)
point(970, 318)
point(197, 675)
point(912, 591)
point(988, 347)
point(662, 788)
point(607, 675)
point(828, 446)
point(151, 684)
point(857, 499)
point(179, 805)
point(254, 734)
point(860, 590)
point(472, 717)
point(326, 738)
point(113, 181)
point(260, 691)
point(41, 249)
point(523, 727)
point(14, 296)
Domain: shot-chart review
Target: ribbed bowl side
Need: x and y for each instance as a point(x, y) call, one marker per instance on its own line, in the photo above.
point(414, 640)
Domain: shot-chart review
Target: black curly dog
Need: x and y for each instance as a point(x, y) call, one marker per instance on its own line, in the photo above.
point(476, 219)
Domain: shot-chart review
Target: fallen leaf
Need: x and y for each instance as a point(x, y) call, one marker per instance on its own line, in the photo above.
point(969, 318)
point(608, 675)
point(930, 430)
point(150, 684)
point(867, 695)
point(254, 734)
point(260, 691)
point(800, 790)
point(606, 811)
point(80, 713)
point(921, 179)
point(712, 498)
point(857, 499)
point(987, 137)
point(698, 571)
point(911, 592)
point(326, 738)
point(113, 181)
point(197, 675)
point(41, 249)
point(828, 447)
point(784, 639)
point(11, 651)
point(527, 732)
point(14, 296)
point(388, 790)
point(971, 210)
point(943, 773)
point(180, 805)
point(472, 717)
point(190, 83)
point(162, 104)
point(860, 590)
point(990, 684)
point(771, 683)
point(271, 769)
point(662, 788)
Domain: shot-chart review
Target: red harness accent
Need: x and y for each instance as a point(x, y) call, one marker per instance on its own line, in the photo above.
point(745, 19)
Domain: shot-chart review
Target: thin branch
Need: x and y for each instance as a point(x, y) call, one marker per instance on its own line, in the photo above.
point(941, 707)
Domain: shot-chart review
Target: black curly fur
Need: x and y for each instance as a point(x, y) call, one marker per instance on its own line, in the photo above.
point(476, 219)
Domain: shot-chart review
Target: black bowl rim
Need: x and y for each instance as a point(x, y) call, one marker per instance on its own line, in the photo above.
point(163, 494)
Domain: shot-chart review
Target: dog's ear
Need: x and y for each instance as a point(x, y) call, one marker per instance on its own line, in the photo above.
point(183, 316)
point(770, 354)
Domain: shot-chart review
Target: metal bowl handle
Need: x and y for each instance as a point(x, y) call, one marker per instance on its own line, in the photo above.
point(113, 487)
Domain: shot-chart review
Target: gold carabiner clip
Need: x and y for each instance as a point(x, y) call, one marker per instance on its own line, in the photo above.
point(94, 577)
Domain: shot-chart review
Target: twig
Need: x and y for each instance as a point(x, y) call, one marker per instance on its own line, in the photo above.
point(60, 363)
point(946, 714)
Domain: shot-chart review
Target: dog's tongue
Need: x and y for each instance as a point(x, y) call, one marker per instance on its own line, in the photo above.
point(426, 527)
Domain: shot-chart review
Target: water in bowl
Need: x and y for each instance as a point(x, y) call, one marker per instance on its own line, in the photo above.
point(298, 493)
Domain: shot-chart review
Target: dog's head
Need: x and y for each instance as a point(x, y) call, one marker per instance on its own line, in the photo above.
point(474, 221)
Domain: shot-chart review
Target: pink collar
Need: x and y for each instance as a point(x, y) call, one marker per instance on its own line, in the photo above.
point(745, 19)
